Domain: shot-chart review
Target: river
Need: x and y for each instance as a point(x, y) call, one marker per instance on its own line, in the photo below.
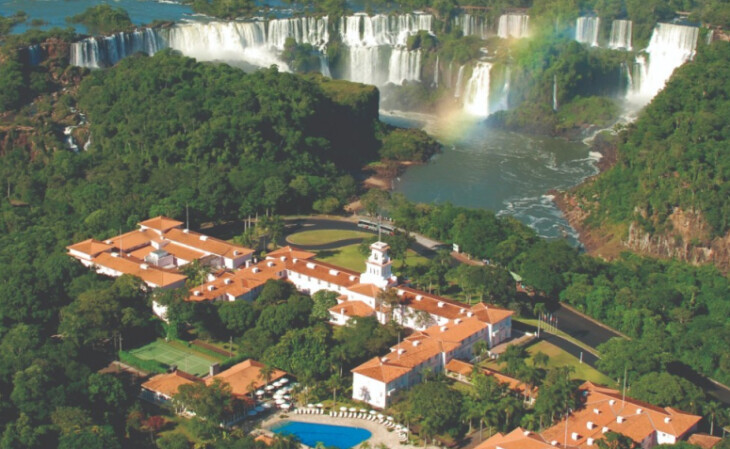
point(506, 172)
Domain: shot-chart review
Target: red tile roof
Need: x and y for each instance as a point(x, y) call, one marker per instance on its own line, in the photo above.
point(90, 247)
point(704, 441)
point(129, 265)
point(161, 223)
point(168, 384)
point(245, 376)
point(353, 309)
point(465, 369)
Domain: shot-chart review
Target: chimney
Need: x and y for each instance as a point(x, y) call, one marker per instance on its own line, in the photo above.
point(612, 401)
point(228, 281)
point(469, 314)
point(416, 342)
point(255, 269)
point(236, 252)
point(419, 297)
point(248, 263)
point(590, 441)
point(575, 436)
point(554, 443)
point(596, 411)
point(605, 429)
point(215, 368)
point(401, 351)
point(462, 310)
point(384, 359)
point(334, 272)
point(638, 410)
point(619, 419)
point(590, 425)
point(203, 237)
point(270, 264)
point(310, 265)
point(197, 293)
point(144, 266)
point(457, 321)
point(295, 260)
point(211, 288)
point(186, 230)
point(443, 328)
point(441, 304)
point(667, 419)
point(283, 258)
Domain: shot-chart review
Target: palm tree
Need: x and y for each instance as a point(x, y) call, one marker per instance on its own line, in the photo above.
point(334, 383)
point(266, 372)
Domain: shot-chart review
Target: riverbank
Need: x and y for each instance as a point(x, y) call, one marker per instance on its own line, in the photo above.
point(597, 242)
point(380, 175)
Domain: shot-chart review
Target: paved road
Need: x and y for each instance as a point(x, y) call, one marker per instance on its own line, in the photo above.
point(583, 329)
point(316, 224)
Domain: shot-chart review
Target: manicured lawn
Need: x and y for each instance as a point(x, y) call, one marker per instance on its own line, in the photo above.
point(533, 322)
point(350, 257)
point(558, 357)
point(177, 353)
point(322, 236)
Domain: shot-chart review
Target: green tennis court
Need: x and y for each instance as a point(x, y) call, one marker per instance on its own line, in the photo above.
point(175, 353)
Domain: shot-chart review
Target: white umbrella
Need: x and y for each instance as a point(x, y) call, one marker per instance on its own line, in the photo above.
point(389, 418)
point(269, 387)
point(320, 405)
point(343, 409)
point(277, 384)
point(398, 427)
point(380, 415)
point(362, 410)
point(353, 409)
point(373, 412)
point(279, 401)
point(283, 380)
point(259, 392)
point(285, 406)
point(310, 405)
point(287, 396)
point(266, 405)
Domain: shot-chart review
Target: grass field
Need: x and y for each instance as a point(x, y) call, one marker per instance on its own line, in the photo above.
point(350, 257)
point(177, 353)
point(323, 236)
point(558, 357)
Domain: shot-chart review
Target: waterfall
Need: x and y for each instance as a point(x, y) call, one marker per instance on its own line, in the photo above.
point(404, 65)
point(555, 93)
point(471, 25)
point(670, 47)
point(476, 94)
point(504, 103)
point(35, 55)
point(304, 30)
point(513, 25)
point(436, 73)
point(621, 35)
point(449, 75)
point(106, 51)
point(586, 30)
point(374, 46)
point(377, 53)
point(459, 82)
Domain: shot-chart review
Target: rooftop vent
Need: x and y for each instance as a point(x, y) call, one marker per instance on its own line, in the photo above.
point(457, 321)
point(462, 310)
point(353, 277)
point(197, 293)
point(596, 411)
point(211, 288)
point(401, 351)
point(310, 265)
point(236, 252)
point(186, 230)
point(443, 328)
point(334, 272)
point(228, 281)
point(115, 254)
point(590, 441)
point(605, 429)
point(416, 342)
point(295, 260)
point(419, 297)
point(441, 304)
point(639, 410)
point(526, 433)
point(612, 401)
point(108, 242)
point(144, 266)
point(283, 258)
point(620, 419)
point(256, 269)
point(590, 425)
point(269, 264)
point(384, 359)
point(469, 314)
point(667, 419)
point(203, 237)
point(575, 436)
point(401, 292)
point(554, 443)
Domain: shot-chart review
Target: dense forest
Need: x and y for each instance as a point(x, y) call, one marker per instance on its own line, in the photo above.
point(672, 172)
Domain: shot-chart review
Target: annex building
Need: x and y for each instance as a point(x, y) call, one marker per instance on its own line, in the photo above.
point(603, 410)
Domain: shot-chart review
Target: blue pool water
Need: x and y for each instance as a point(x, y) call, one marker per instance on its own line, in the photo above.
point(310, 434)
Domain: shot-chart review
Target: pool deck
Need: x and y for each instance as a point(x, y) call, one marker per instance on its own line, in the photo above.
point(379, 433)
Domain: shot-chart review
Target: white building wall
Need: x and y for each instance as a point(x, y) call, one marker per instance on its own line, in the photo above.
point(369, 390)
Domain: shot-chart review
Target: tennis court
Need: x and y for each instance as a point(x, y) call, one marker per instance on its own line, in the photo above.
point(175, 353)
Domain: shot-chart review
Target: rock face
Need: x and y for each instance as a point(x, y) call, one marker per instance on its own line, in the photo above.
point(688, 240)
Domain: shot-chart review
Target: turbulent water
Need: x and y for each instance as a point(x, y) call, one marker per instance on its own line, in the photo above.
point(586, 30)
point(472, 25)
point(670, 47)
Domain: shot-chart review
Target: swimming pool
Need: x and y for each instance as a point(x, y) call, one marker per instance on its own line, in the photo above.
point(310, 434)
